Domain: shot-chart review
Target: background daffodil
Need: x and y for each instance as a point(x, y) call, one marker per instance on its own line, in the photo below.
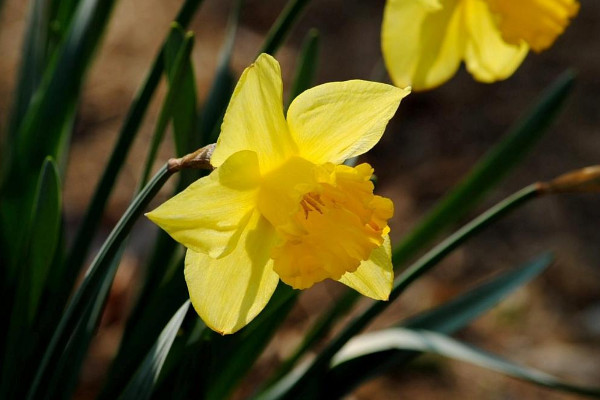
point(424, 41)
point(279, 203)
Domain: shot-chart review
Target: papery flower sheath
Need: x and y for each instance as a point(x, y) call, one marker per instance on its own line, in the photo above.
point(425, 41)
point(279, 204)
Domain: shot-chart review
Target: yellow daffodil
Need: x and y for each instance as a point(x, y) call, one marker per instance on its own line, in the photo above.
point(279, 204)
point(424, 41)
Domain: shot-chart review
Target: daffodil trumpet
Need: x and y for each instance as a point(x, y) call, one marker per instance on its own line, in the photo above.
point(424, 41)
point(280, 204)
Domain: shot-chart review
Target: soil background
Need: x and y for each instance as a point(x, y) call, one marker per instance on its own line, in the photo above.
point(435, 138)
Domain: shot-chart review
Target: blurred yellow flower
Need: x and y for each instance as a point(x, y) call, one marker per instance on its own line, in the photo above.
point(424, 41)
point(279, 204)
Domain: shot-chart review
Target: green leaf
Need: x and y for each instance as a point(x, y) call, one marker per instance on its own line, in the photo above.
point(232, 356)
point(308, 61)
point(142, 383)
point(223, 83)
point(179, 75)
point(42, 130)
point(37, 255)
point(146, 321)
point(446, 318)
point(45, 233)
point(488, 172)
point(33, 62)
point(403, 339)
point(220, 93)
point(184, 101)
point(87, 293)
point(283, 25)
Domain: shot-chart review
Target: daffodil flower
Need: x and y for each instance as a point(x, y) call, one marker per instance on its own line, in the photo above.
point(424, 41)
point(279, 204)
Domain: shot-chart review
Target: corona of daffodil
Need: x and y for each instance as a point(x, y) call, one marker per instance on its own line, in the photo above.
point(279, 204)
point(424, 41)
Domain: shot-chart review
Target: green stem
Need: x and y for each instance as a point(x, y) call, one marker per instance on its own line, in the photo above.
point(94, 276)
point(418, 269)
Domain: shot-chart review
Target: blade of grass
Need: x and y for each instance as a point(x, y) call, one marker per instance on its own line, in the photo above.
point(308, 61)
point(283, 25)
point(139, 336)
point(403, 339)
point(142, 384)
point(93, 279)
point(292, 388)
point(488, 172)
point(44, 225)
point(183, 111)
point(179, 74)
point(223, 83)
point(33, 63)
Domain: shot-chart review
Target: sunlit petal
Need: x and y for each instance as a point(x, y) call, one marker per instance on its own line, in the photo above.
point(254, 119)
point(229, 292)
point(207, 217)
point(375, 276)
point(339, 120)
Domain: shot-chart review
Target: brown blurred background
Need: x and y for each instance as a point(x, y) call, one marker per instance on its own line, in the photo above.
point(436, 137)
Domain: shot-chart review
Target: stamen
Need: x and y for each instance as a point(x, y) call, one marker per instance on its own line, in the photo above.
point(317, 204)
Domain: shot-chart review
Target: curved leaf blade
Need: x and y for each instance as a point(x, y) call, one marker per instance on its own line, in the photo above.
point(403, 339)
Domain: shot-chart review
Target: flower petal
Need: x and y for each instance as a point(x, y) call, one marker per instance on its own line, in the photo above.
point(207, 217)
point(375, 276)
point(254, 119)
point(488, 57)
point(339, 120)
point(229, 292)
point(422, 41)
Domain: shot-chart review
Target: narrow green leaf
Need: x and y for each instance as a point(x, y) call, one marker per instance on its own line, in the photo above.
point(223, 83)
point(184, 103)
point(42, 129)
point(180, 64)
point(145, 324)
point(283, 25)
point(308, 61)
point(66, 371)
point(446, 318)
point(457, 313)
point(488, 172)
point(403, 339)
point(37, 255)
point(33, 62)
point(233, 355)
point(142, 384)
point(94, 278)
point(45, 233)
